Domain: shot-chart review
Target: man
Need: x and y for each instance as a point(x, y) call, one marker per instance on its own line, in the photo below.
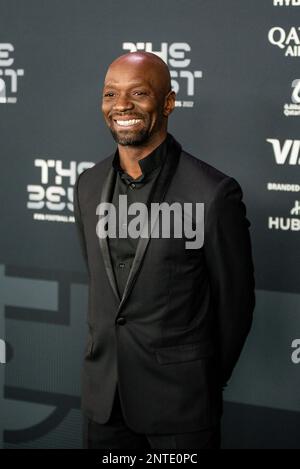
point(166, 323)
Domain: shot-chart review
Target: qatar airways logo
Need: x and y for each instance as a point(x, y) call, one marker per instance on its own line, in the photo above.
point(9, 76)
point(176, 55)
point(288, 41)
point(286, 153)
point(163, 221)
point(286, 3)
point(293, 109)
point(52, 198)
point(296, 91)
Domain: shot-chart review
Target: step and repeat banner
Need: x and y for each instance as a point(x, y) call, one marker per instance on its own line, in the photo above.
point(235, 69)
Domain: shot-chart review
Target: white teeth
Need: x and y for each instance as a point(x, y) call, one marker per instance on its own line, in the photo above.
point(130, 122)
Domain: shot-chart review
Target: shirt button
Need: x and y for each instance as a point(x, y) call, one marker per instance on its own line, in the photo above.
point(121, 265)
point(121, 321)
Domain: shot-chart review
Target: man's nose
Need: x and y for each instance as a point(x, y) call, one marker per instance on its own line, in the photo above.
point(122, 103)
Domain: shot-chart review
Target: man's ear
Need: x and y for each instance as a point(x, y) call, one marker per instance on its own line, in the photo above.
point(169, 103)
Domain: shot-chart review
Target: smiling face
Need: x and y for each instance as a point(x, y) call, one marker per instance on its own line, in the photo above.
point(137, 99)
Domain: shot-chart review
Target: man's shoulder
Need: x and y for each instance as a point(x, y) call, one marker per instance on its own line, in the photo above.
point(101, 166)
point(201, 166)
point(195, 166)
point(201, 172)
point(97, 172)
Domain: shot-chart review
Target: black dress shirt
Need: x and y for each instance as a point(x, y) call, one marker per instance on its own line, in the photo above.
point(122, 250)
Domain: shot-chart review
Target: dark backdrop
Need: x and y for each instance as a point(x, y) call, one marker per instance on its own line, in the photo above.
point(235, 67)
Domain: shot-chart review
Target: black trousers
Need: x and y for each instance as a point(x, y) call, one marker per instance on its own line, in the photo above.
point(115, 434)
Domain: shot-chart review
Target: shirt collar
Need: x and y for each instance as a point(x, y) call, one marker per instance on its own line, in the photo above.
point(147, 164)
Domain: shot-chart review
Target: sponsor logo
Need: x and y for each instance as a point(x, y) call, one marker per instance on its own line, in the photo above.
point(286, 223)
point(9, 77)
point(288, 41)
point(293, 109)
point(55, 190)
point(287, 153)
point(175, 54)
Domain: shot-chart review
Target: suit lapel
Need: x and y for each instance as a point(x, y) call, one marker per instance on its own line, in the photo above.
point(158, 194)
point(106, 196)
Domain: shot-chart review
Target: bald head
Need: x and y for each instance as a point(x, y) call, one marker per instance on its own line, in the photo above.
point(148, 64)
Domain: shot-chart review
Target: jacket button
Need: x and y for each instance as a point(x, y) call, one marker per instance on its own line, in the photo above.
point(121, 321)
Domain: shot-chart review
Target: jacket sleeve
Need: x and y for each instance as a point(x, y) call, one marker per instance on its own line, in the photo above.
point(78, 221)
point(228, 254)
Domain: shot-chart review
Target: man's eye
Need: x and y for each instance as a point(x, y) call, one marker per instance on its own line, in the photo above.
point(109, 95)
point(139, 93)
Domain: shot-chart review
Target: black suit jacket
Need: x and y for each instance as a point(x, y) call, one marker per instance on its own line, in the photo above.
point(171, 342)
